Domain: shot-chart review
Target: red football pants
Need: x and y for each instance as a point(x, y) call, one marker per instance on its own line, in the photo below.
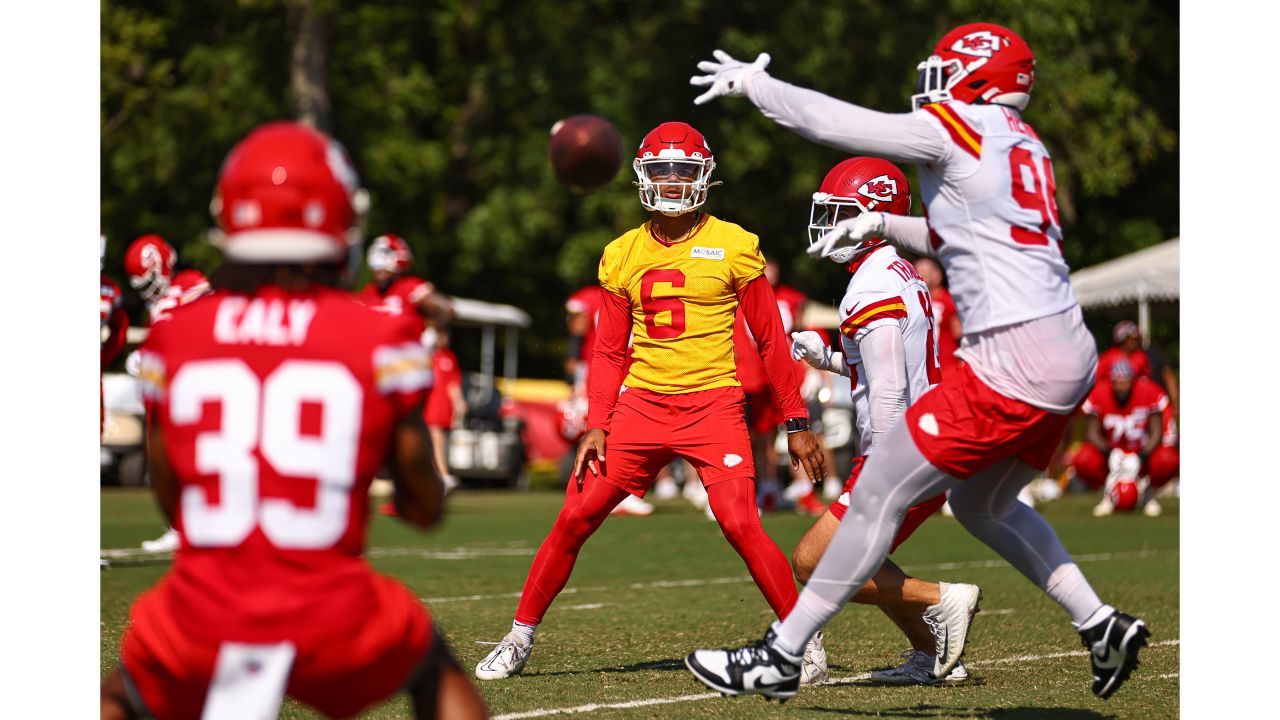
point(1091, 465)
point(734, 503)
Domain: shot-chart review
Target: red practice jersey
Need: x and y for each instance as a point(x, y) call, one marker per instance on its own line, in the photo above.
point(944, 308)
point(586, 301)
point(447, 375)
point(1137, 358)
point(114, 322)
point(401, 298)
point(276, 409)
point(745, 354)
point(1125, 426)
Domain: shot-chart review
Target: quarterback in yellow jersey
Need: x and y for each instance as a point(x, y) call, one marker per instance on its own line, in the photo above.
point(672, 286)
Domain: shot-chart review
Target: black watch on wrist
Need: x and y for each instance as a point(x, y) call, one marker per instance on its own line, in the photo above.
point(795, 425)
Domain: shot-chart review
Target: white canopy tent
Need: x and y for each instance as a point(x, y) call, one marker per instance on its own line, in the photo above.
point(1146, 276)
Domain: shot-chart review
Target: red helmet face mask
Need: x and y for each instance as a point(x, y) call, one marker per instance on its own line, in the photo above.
point(288, 193)
point(673, 169)
point(855, 186)
point(389, 253)
point(977, 64)
point(149, 262)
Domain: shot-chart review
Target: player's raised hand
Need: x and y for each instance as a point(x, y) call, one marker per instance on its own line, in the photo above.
point(726, 75)
point(839, 242)
point(590, 455)
point(807, 451)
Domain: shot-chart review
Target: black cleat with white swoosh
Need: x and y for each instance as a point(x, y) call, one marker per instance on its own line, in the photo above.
point(759, 669)
point(1113, 646)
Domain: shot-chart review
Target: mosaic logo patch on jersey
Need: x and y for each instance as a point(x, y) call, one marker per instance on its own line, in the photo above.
point(707, 253)
point(882, 188)
point(983, 43)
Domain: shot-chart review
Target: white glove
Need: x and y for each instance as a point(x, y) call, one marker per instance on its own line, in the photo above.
point(727, 76)
point(1124, 464)
point(808, 346)
point(133, 364)
point(840, 242)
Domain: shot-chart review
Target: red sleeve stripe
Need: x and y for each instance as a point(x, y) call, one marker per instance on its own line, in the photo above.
point(893, 308)
point(965, 136)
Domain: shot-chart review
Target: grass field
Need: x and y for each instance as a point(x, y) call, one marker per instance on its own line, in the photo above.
point(648, 590)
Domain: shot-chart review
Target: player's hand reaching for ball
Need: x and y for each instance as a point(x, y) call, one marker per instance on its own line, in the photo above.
point(590, 455)
point(726, 76)
point(807, 451)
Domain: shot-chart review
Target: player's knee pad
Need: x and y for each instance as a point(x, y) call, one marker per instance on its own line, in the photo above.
point(1090, 466)
point(1163, 465)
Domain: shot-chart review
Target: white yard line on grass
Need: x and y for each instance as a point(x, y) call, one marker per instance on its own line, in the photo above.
point(699, 582)
point(593, 707)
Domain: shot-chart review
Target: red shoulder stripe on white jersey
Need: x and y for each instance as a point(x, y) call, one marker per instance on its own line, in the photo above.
point(891, 308)
point(961, 132)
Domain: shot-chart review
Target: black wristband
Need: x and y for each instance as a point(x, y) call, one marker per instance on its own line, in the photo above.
point(795, 425)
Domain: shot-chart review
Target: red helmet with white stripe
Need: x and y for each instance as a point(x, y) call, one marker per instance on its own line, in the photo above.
point(855, 186)
point(288, 193)
point(389, 253)
point(149, 263)
point(978, 64)
point(673, 169)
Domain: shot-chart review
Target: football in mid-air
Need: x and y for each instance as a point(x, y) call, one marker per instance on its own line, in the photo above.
point(586, 152)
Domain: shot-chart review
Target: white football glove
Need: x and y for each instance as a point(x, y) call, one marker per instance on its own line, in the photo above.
point(727, 75)
point(840, 242)
point(808, 346)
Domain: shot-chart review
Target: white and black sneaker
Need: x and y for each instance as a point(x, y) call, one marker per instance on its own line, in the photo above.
point(950, 620)
point(1113, 646)
point(506, 660)
point(918, 670)
point(757, 669)
point(813, 668)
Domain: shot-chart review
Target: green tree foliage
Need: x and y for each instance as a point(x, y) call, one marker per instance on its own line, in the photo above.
point(446, 106)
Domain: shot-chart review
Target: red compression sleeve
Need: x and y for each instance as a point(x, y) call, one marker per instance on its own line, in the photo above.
point(760, 310)
point(608, 358)
point(116, 340)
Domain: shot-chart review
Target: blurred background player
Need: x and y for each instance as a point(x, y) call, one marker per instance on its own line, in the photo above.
point(890, 354)
point(764, 414)
point(945, 319)
point(673, 285)
point(582, 312)
point(149, 261)
point(279, 397)
point(986, 432)
point(1125, 416)
point(1147, 362)
point(445, 401)
point(113, 326)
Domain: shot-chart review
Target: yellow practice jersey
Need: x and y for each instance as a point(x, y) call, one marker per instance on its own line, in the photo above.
point(683, 298)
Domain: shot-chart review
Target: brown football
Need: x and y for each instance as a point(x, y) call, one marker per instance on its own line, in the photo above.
point(586, 152)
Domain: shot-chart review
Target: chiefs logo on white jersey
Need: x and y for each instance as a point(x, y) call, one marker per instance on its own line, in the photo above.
point(979, 44)
point(882, 188)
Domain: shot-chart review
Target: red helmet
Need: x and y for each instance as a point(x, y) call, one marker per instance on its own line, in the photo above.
point(149, 262)
point(673, 149)
point(1124, 494)
point(391, 253)
point(288, 193)
point(977, 64)
point(855, 186)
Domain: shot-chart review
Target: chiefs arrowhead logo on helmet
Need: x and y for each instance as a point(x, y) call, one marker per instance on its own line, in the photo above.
point(882, 188)
point(980, 44)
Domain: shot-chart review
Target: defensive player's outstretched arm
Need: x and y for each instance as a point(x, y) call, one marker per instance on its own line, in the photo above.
point(419, 495)
point(900, 137)
point(884, 362)
point(908, 233)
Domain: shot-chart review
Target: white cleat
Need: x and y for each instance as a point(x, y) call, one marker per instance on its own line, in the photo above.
point(918, 670)
point(950, 620)
point(506, 660)
point(1104, 507)
point(695, 493)
point(450, 483)
point(813, 668)
point(632, 505)
point(831, 489)
point(168, 542)
point(1152, 508)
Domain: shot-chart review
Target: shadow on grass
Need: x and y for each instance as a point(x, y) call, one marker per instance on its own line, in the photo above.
point(935, 711)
